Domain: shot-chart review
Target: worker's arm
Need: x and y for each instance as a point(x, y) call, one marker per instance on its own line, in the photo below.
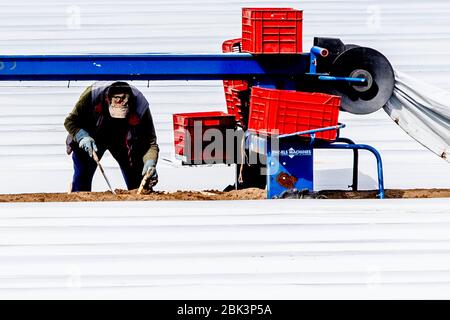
point(149, 130)
point(76, 120)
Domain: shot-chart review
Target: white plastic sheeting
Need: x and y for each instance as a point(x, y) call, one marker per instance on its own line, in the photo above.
point(287, 249)
point(423, 111)
point(245, 249)
point(414, 35)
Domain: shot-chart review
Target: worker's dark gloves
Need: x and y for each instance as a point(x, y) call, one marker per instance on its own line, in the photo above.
point(86, 142)
point(153, 179)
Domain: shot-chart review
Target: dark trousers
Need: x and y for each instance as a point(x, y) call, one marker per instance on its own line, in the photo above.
point(84, 168)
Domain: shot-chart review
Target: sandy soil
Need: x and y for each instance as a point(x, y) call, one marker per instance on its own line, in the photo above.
point(246, 194)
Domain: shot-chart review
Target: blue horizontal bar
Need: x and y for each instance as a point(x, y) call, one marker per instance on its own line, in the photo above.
point(312, 131)
point(151, 67)
point(349, 79)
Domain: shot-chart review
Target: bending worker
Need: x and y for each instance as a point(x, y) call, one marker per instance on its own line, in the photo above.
point(115, 117)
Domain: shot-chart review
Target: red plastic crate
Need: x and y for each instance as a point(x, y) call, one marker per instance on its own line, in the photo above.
point(183, 124)
point(234, 102)
point(291, 111)
point(272, 30)
point(232, 45)
point(229, 46)
point(233, 87)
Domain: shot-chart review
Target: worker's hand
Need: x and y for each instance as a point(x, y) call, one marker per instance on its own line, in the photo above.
point(153, 179)
point(86, 142)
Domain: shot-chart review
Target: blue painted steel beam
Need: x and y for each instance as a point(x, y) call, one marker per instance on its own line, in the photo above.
point(153, 67)
point(361, 81)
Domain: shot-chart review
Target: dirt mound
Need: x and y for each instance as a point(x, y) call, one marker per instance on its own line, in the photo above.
point(131, 195)
point(246, 194)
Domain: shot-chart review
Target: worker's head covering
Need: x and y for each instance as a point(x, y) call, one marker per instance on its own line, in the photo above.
point(120, 98)
point(119, 87)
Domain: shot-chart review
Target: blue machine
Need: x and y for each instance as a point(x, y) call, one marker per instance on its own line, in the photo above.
point(362, 76)
point(290, 167)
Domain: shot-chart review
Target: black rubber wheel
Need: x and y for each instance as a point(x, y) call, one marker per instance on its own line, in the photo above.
point(363, 63)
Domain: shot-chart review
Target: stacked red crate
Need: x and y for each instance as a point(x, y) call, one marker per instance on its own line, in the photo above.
point(272, 30)
point(233, 88)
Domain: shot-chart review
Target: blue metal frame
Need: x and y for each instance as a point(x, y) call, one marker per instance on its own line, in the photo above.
point(317, 52)
point(362, 147)
point(343, 143)
point(153, 67)
point(261, 68)
point(312, 132)
point(354, 184)
point(360, 81)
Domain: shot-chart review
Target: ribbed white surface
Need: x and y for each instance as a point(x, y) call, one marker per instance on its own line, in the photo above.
point(241, 250)
point(289, 249)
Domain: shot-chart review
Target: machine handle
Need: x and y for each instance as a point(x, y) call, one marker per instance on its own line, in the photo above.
point(312, 131)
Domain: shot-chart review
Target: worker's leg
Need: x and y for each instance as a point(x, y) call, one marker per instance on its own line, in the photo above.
point(84, 168)
point(250, 176)
point(131, 171)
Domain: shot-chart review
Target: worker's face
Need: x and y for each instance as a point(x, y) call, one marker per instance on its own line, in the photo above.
point(120, 99)
point(119, 105)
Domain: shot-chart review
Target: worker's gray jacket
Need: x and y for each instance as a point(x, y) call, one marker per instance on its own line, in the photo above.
point(88, 114)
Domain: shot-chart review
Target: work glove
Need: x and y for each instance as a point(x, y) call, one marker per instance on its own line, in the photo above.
point(153, 179)
point(86, 142)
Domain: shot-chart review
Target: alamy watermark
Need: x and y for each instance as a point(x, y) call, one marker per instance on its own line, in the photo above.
point(73, 17)
point(373, 21)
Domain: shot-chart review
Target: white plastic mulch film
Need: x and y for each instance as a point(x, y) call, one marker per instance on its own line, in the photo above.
point(422, 111)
